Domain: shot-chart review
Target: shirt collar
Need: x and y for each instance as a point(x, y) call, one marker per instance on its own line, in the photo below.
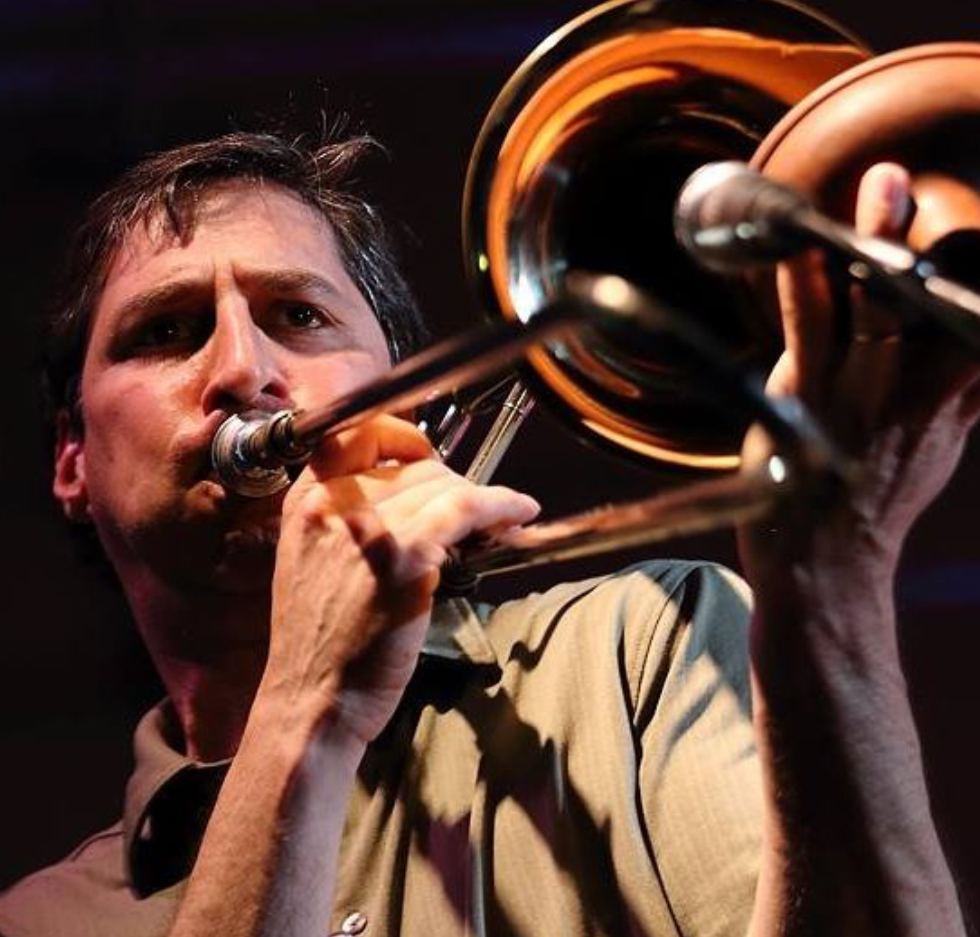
point(456, 634)
point(455, 637)
point(163, 775)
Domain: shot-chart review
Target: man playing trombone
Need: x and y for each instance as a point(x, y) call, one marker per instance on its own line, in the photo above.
point(335, 754)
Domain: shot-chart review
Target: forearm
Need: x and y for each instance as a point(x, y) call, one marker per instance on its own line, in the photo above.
point(268, 861)
point(850, 846)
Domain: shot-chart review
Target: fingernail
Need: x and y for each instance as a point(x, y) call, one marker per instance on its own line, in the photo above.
point(895, 190)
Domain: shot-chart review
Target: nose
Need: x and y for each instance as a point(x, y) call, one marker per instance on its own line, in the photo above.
point(243, 370)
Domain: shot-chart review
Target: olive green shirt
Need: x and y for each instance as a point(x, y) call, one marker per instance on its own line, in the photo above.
point(576, 762)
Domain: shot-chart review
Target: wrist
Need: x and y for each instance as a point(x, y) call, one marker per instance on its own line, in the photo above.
point(828, 589)
point(302, 730)
point(830, 625)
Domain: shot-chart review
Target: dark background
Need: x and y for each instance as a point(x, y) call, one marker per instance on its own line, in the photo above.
point(87, 87)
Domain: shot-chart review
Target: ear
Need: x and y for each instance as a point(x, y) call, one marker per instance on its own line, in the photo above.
point(69, 470)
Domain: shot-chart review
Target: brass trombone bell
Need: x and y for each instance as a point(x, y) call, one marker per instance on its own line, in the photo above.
point(577, 168)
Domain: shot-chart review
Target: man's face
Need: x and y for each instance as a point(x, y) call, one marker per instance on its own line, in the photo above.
point(255, 310)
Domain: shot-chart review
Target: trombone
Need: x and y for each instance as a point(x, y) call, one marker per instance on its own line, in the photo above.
point(568, 223)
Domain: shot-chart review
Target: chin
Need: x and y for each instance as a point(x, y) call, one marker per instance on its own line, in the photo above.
point(247, 558)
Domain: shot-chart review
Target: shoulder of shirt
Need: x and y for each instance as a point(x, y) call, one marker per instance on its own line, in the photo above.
point(640, 591)
point(42, 902)
point(654, 614)
point(620, 643)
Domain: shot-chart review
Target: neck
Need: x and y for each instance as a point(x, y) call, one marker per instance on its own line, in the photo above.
point(210, 651)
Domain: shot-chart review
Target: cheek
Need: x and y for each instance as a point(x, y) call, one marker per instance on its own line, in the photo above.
point(124, 421)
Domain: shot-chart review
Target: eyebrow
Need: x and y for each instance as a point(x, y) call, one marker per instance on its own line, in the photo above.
point(292, 281)
point(268, 281)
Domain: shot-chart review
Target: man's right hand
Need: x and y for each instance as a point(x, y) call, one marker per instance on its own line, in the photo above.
point(365, 530)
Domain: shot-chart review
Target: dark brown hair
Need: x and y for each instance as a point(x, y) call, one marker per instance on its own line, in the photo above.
point(170, 185)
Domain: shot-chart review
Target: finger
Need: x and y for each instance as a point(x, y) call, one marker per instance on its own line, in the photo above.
point(806, 310)
point(882, 210)
point(382, 439)
point(447, 515)
point(883, 202)
point(445, 520)
point(347, 494)
point(404, 533)
point(970, 401)
point(874, 357)
point(782, 378)
point(389, 480)
point(407, 489)
point(418, 481)
point(396, 488)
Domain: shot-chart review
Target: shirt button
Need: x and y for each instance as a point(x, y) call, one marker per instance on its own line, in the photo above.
point(354, 923)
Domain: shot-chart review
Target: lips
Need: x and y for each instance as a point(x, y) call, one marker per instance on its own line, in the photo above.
point(191, 451)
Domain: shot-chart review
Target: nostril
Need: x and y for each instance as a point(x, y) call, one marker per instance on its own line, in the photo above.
point(269, 398)
point(243, 372)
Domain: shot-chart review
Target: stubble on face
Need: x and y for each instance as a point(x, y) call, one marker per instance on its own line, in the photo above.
point(149, 409)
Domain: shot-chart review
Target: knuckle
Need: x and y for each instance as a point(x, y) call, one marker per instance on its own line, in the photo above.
point(422, 557)
point(466, 499)
point(364, 526)
point(307, 505)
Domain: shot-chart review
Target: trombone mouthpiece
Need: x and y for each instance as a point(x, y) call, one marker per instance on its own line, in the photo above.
point(239, 456)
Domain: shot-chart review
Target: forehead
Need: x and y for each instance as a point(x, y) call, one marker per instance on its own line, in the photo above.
point(242, 224)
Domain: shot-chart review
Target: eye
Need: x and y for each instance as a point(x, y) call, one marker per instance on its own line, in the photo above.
point(301, 325)
point(168, 332)
point(163, 332)
point(302, 316)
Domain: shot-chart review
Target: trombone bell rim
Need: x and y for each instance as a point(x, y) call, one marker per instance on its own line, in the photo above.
point(669, 56)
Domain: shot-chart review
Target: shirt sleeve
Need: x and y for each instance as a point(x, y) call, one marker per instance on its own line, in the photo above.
point(699, 777)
